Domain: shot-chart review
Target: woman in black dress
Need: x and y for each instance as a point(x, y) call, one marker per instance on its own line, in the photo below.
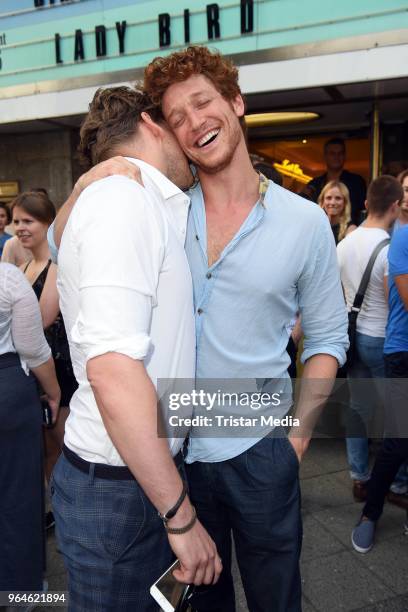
point(33, 213)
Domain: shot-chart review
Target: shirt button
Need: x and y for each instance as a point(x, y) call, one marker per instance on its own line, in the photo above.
point(208, 275)
point(197, 238)
point(199, 311)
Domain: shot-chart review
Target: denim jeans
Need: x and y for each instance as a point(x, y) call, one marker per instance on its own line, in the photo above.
point(394, 451)
point(255, 497)
point(113, 542)
point(369, 363)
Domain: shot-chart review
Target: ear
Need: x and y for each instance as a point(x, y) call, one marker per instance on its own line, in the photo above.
point(366, 204)
point(155, 128)
point(238, 106)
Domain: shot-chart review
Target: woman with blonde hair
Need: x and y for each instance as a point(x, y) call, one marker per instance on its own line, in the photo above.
point(335, 201)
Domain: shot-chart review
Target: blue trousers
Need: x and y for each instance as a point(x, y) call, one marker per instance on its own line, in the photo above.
point(255, 497)
point(112, 539)
point(364, 400)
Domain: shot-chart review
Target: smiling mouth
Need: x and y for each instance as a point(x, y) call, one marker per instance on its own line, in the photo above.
point(208, 138)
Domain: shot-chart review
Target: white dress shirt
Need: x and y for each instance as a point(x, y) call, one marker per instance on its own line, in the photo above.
point(125, 287)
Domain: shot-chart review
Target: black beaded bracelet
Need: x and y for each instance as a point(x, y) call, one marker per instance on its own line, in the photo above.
point(181, 530)
point(172, 512)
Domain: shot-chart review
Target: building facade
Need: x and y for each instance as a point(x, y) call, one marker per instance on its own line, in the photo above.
point(344, 61)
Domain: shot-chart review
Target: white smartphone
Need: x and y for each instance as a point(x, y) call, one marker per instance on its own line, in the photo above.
point(167, 591)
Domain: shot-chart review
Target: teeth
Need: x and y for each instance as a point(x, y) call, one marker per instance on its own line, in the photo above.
point(207, 137)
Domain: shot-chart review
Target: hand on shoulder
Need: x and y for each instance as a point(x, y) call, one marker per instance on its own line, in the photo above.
point(114, 166)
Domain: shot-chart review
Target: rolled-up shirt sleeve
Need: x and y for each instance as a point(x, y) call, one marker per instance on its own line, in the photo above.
point(26, 323)
point(113, 320)
point(321, 301)
point(120, 239)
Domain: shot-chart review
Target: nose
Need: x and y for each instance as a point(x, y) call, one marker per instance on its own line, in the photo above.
point(196, 120)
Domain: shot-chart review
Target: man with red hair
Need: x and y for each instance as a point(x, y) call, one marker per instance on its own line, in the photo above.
point(253, 269)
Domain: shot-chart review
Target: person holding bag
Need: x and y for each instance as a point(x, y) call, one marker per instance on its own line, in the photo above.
point(362, 258)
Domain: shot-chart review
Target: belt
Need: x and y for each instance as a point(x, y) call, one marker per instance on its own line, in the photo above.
point(9, 360)
point(108, 472)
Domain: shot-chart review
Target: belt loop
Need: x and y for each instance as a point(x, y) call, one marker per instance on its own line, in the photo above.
point(91, 473)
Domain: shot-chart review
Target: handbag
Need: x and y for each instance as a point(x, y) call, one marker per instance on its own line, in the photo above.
point(358, 301)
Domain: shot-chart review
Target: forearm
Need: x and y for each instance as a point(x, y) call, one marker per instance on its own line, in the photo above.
point(63, 215)
point(45, 374)
point(317, 382)
point(127, 401)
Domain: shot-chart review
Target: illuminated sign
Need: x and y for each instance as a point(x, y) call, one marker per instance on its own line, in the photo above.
point(293, 171)
point(55, 41)
point(164, 31)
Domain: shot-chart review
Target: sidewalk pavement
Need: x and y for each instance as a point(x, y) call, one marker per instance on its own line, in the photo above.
point(335, 578)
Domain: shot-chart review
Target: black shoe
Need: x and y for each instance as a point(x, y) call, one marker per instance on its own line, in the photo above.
point(49, 521)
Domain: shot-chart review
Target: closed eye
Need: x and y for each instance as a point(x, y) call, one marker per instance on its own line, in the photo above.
point(202, 103)
point(176, 123)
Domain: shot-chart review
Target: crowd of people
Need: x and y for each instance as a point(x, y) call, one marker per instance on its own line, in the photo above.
point(207, 269)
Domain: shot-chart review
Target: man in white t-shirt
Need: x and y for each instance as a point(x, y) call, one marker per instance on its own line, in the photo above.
point(122, 510)
point(354, 252)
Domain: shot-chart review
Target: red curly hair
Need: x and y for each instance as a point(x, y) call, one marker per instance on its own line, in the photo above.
point(177, 67)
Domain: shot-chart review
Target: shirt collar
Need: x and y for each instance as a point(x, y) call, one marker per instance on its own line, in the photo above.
point(263, 188)
point(166, 187)
point(177, 202)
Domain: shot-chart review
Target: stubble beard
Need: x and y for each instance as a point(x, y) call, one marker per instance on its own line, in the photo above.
point(226, 160)
point(179, 173)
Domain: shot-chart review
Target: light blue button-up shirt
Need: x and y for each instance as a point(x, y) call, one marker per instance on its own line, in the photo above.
point(281, 261)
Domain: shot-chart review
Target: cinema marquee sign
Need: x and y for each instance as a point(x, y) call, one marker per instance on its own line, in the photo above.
point(164, 31)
